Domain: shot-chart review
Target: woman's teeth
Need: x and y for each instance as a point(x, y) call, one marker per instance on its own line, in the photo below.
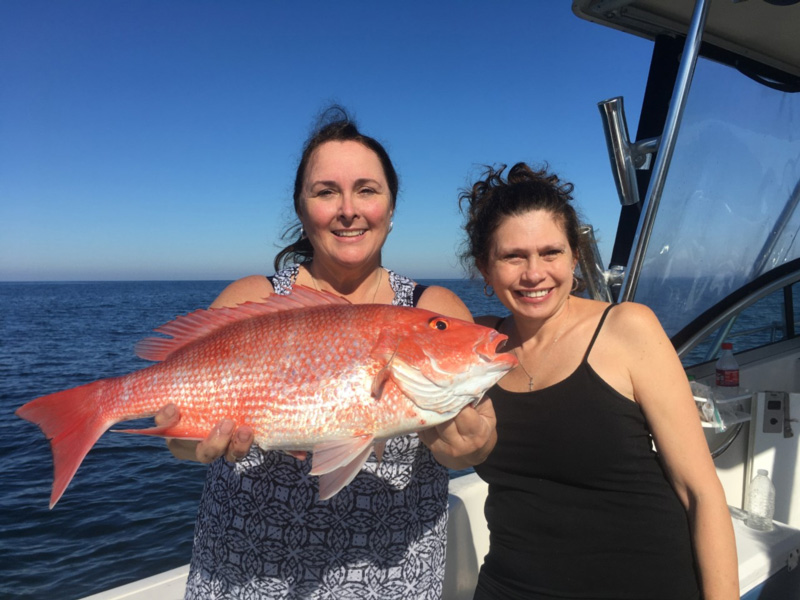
point(534, 294)
point(349, 232)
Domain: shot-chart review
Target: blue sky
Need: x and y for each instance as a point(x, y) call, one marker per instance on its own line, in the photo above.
point(157, 139)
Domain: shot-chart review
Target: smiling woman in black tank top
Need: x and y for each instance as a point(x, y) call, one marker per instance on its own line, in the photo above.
point(580, 504)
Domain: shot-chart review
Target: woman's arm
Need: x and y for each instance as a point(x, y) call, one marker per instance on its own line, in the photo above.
point(224, 439)
point(467, 439)
point(660, 386)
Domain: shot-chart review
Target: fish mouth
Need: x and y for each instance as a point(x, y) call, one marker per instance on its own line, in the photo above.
point(490, 351)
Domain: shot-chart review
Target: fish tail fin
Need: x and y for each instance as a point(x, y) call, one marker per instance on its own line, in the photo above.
point(73, 421)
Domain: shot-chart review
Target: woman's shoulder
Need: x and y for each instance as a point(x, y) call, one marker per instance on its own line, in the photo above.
point(633, 327)
point(441, 300)
point(252, 288)
point(625, 321)
point(632, 316)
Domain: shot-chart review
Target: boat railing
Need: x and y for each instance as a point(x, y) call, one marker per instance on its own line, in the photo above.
point(718, 320)
point(774, 328)
point(665, 150)
point(776, 331)
point(597, 280)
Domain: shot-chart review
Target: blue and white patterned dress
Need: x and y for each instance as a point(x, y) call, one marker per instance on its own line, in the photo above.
point(261, 532)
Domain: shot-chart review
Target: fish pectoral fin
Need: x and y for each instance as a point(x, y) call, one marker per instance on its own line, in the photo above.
point(416, 373)
point(379, 448)
point(329, 456)
point(381, 377)
point(332, 482)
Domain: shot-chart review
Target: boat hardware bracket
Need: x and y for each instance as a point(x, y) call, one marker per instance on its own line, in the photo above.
point(626, 157)
point(793, 559)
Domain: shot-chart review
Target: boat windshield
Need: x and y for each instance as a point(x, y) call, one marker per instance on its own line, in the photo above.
point(729, 209)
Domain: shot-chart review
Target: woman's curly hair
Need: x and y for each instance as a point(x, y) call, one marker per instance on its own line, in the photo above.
point(493, 198)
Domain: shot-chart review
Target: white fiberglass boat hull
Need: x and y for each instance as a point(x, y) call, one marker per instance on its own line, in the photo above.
point(763, 556)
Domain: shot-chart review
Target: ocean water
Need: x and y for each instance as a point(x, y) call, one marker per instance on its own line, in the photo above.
point(129, 512)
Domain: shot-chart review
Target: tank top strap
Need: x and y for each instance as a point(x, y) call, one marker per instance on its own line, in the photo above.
point(597, 331)
point(417, 292)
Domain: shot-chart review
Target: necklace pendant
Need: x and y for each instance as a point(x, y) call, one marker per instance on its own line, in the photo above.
point(530, 384)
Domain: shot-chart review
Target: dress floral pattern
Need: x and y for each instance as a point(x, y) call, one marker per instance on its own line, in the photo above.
point(262, 533)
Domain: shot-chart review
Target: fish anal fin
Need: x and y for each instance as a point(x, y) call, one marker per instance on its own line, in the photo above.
point(168, 431)
point(173, 428)
point(332, 482)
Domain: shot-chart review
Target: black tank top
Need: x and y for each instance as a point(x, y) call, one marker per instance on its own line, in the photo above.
point(579, 505)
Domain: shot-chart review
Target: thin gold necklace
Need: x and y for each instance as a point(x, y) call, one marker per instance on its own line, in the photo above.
point(549, 349)
point(374, 295)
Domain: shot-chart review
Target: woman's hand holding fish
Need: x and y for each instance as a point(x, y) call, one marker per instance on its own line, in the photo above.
point(465, 440)
point(224, 440)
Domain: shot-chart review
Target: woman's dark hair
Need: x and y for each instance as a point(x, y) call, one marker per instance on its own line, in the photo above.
point(492, 199)
point(334, 125)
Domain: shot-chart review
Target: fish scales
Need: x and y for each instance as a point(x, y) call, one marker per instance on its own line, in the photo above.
point(307, 372)
point(286, 388)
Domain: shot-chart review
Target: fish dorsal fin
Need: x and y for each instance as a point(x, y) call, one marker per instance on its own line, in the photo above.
point(196, 325)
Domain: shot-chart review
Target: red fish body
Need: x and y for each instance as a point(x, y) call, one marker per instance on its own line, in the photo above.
point(308, 371)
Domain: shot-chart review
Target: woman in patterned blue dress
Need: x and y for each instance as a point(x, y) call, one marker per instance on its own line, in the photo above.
point(261, 532)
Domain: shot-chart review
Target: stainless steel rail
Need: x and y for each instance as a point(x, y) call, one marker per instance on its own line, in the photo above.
point(668, 140)
point(591, 265)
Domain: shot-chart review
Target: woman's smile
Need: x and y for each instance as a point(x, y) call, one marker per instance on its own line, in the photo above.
point(534, 293)
point(349, 233)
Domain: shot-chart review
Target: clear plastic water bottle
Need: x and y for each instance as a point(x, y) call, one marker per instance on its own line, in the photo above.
point(727, 369)
point(760, 502)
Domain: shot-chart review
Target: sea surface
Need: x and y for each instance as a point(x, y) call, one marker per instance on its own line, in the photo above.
point(129, 512)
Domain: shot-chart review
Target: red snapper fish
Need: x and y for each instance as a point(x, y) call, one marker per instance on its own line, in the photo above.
point(308, 372)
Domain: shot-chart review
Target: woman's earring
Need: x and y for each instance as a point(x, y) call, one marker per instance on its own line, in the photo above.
point(391, 225)
point(488, 292)
point(575, 284)
point(302, 233)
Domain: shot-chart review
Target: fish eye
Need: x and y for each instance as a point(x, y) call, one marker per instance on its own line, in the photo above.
point(438, 323)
